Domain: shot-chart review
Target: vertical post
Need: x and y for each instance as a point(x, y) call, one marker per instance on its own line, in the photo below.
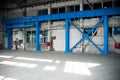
point(24, 38)
point(67, 39)
point(9, 39)
point(105, 35)
point(49, 27)
point(102, 4)
point(37, 37)
point(81, 24)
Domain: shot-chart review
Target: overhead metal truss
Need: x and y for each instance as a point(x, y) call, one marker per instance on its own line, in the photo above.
point(35, 21)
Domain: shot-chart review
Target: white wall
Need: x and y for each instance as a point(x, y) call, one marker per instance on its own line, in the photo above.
point(59, 42)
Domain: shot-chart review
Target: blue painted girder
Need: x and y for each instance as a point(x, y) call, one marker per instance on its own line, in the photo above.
point(9, 36)
point(37, 36)
point(22, 26)
point(79, 14)
point(86, 36)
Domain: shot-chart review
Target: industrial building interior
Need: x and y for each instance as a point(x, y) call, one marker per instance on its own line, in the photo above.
point(59, 40)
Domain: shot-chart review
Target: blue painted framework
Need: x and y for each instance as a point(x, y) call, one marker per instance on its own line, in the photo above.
point(105, 13)
point(37, 36)
point(86, 35)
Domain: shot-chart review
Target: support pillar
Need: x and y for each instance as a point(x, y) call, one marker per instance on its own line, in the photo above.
point(9, 33)
point(67, 37)
point(81, 24)
point(37, 37)
point(105, 51)
point(24, 38)
point(49, 27)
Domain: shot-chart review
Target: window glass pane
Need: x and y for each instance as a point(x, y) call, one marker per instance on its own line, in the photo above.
point(107, 4)
point(31, 36)
point(77, 8)
point(62, 10)
point(44, 35)
point(45, 39)
point(54, 10)
point(97, 5)
point(110, 31)
point(117, 3)
point(86, 7)
point(43, 12)
point(28, 36)
point(116, 31)
point(70, 8)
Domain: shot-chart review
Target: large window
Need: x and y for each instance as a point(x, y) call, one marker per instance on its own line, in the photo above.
point(43, 12)
point(77, 7)
point(43, 36)
point(107, 4)
point(31, 37)
point(117, 3)
point(116, 31)
point(110, 31)
point(61, 9)
point(87, 7)
point(54, 10)
point(70, 8)
point(97, 5)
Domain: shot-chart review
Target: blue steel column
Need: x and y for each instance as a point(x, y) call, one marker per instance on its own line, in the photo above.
point(9, 44)
point(105, 51)
point(37, 37)
point(67, 34)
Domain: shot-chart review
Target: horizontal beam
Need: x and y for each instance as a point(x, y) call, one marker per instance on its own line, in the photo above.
point(21, 26)
point(79, 14)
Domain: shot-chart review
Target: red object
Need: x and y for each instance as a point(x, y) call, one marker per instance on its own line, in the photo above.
point(117, 45)
point(47, 44)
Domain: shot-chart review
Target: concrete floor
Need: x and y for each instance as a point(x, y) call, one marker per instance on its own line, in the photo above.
point(16, 65)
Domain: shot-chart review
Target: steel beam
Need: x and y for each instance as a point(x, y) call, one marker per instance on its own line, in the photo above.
point(75, 26)
point(9, 35)
point(100, 50)
point(67, 37)
point(96, 25)
point(76, 44)
point(105, 51)
point(22, 26)
point(79, 14)
point(86, 35)
point(37, 37)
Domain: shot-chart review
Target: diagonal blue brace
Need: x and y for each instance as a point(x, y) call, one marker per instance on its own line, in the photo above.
point(86, 36)
point(100, 50)
point(96, 25)
point(76, 44)
point(75, 26)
